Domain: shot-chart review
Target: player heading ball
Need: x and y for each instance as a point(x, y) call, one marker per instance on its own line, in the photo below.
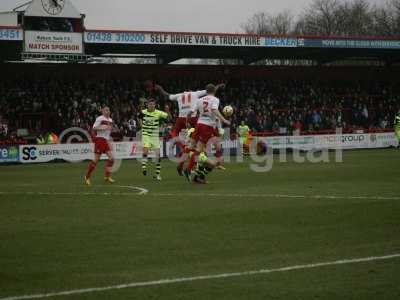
point(208, 109)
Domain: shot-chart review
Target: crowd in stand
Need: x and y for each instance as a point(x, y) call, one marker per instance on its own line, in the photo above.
point(271, 106)
point(283, 106)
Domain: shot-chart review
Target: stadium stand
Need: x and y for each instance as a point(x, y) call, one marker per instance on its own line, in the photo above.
point(271, 105)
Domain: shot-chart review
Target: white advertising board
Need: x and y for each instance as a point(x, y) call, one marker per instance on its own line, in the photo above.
point(53, 42)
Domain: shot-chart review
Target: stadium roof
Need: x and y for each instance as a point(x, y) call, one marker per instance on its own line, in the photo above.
point(171, 46)
point(18, 43)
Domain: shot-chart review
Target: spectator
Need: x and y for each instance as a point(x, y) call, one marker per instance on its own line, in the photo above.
point(273, 105)
point(297, 127)
point(40, 140)
point(316, 120)
point(132, 126)
point(384, 123)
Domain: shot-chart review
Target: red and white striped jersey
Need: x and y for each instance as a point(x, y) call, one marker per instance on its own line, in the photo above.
point(186, 101)
point(205, 106)
point(103, 133)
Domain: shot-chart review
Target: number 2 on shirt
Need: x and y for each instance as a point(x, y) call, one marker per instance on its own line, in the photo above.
point(205, 106)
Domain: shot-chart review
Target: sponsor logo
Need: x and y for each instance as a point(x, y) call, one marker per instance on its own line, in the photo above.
point(385, 137)
point(9, 154)
point(29, 153)
point(353, 138)
point(331, 139)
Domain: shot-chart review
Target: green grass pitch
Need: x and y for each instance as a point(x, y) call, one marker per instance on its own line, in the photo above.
point(58, 235)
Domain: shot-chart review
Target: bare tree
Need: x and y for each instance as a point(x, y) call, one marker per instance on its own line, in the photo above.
point(393, 7)
point(383, 22)
point(320, 18)
point(360, 19)
point(386, 19)
point(257, 24)
point(263, 23)
point(282, 23)
point(357, 18)
point(331, 17)
point(349, 17)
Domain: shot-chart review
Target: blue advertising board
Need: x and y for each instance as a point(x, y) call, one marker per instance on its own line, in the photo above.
point(283, 42)
point(352, 43)
point(9, 154)
point(10, 34)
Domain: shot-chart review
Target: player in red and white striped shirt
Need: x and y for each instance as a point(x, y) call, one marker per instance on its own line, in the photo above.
point(103, 127)
point(208, 109)
point(185, 100)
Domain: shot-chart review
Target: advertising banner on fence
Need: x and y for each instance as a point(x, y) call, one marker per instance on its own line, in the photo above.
point(351, 43)
point(229, 40)
point(75, 152)
point(175, 38)
point(53, 42)
point(133, 150)
point(284, 142)
point(9, 154)
point(10, 34)
point(332, 141)
point(283, 42)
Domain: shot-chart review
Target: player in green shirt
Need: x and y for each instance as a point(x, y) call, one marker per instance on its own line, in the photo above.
point(150, 121)
point(397, 127)
point(244, 131)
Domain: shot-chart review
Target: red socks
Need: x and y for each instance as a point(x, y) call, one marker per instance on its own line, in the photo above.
point(107, 171)
point(91, 168)
point(109, 164)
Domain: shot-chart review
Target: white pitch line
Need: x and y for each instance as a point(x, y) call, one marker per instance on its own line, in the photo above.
point(143, 191)
point(277, 196)
point(203, 277)
point(70, 193)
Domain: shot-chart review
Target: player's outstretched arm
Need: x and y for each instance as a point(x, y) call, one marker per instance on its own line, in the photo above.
point(221, 117)
point(159, 88)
